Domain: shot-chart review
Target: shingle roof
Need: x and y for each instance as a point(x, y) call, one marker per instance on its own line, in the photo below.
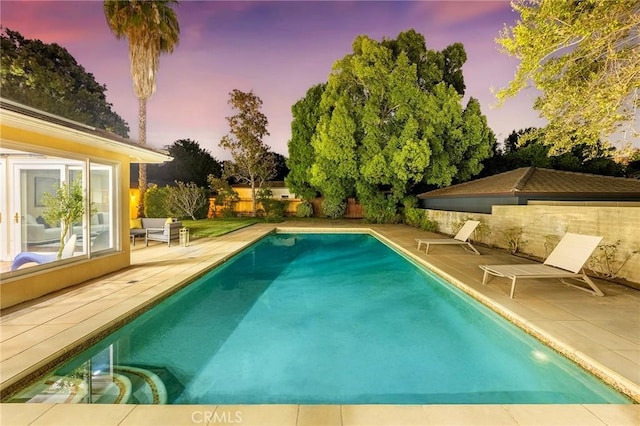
point(534, 180)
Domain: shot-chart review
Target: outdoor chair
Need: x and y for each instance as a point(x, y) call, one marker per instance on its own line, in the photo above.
point(40, 258)
point(566, 261)
point(461, 238)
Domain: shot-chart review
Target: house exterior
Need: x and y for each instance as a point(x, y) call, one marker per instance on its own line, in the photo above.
point(38, 152)
point(531, 185)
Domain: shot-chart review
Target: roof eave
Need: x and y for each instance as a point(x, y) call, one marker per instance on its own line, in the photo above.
point(78, 133)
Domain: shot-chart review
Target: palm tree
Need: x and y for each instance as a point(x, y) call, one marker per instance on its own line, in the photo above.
point(152, 28)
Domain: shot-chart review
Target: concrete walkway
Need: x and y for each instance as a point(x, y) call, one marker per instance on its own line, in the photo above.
point(602, 334)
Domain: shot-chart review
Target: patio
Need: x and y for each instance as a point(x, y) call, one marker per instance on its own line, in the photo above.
point(602, 333)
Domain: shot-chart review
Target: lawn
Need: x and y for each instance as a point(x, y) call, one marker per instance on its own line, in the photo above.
point(215, 227)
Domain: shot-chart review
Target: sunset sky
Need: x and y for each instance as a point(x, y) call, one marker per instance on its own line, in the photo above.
point(277, 49)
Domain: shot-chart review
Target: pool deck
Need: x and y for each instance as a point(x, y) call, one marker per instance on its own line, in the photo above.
point(600, 333)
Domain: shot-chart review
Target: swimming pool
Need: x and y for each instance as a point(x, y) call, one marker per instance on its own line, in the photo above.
point(313, 318)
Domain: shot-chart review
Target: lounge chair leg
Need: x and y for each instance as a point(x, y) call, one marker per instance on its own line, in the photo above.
point(427, 250)
point(473, 249)
point(513, 286)
point(594, 288)
point(484, 277)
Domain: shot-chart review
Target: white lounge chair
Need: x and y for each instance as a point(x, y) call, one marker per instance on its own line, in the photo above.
point(565, 261)
point(461, 238)
point(40, 258)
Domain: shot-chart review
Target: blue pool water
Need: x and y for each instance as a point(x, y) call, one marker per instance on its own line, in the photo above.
point(329, 318)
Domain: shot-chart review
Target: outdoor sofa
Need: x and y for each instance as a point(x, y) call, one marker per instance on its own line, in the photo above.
point(155, 229)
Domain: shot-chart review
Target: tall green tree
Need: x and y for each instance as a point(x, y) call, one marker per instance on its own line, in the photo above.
point(306, 114)
point(384, 127)
point(46, 77)
point(584, 57)
point(432, 67)
point(152, 28)
point(252, 163)
point(190, 164)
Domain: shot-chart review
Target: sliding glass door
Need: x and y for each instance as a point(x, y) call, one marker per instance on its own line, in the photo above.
point(47, 200)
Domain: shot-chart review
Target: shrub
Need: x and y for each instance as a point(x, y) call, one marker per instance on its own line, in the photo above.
point(380, 210)
point(188, 200)
point(273, 209)
point(225, 196)
point(304, 209)
point(155, 201)
point(227, 212)
point(513, 238)
point(420, 219)
point(413, 217)
point(608, 261)
point(427, 224)
point(333, 208)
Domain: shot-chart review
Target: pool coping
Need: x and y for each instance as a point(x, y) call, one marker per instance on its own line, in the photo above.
point(378, 232)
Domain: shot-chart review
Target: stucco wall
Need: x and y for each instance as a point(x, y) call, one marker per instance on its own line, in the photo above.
point(37, 284)
point(28, 286)
point(543, 226)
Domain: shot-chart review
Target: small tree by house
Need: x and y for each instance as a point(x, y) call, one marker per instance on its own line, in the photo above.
point(66, 206)
point(186, 199)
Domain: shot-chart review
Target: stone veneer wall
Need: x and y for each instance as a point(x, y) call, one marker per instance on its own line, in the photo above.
point(543, 226)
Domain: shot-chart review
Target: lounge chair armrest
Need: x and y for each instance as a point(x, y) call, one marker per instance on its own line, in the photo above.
point(154, 230)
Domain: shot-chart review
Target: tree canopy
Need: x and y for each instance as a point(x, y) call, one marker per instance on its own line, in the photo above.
point(514, 153)
point(252, 163)
point(47, 77)
point(386, 124)
point(306, 113)
point(190, 164)
point(585, 58)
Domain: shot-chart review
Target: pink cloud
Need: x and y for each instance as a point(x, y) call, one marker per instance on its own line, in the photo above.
point(445, 13)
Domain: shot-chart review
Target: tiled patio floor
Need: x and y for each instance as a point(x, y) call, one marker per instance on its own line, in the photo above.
point(601, 333)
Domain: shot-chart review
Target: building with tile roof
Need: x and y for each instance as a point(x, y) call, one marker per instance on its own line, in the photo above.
point(531, 184)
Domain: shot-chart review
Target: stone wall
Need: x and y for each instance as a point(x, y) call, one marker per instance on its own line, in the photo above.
point(543, 225)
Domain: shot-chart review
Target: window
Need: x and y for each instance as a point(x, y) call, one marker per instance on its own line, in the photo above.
point(37, 234)
point(101, 225)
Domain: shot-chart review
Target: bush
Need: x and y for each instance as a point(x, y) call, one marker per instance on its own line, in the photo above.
point(225, 196)
point(188, 200)
point(304, 209)
point(420, 219)
point(273, 209)
point(227, 212)
point(333, 208)
point(380, 210)
point(427, 224)
point(413, 217)
point(155, 201)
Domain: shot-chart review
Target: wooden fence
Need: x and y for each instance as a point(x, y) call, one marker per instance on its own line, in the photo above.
point(243, 208)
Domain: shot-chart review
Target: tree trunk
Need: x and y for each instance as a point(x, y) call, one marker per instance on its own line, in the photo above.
point(142, 140)
point(253, 197)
